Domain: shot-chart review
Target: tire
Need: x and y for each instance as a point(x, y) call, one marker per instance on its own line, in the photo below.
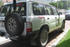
point(13, 22)
point(63, 26)
point(42, 41)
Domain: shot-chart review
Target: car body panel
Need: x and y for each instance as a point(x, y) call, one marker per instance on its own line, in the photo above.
point(53, 21)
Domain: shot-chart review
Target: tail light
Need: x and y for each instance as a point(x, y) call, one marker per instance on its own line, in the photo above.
point(28, 26)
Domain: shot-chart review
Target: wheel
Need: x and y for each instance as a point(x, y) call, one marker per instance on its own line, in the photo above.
point(43, 39)
point(13, 22)
point(63, 25)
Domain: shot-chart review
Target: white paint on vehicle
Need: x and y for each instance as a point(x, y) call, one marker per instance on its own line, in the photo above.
point(55, 41)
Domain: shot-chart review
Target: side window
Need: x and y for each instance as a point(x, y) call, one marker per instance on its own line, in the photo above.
point(38, 9)
point(52, 13)
point(4, 10)
point(23, 11)
point(12, 9)
point(17, 9)
point(48, 10)
point(8, 9)
point(55, 11)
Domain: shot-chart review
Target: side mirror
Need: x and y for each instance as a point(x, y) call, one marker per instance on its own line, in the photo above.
point(60, 13)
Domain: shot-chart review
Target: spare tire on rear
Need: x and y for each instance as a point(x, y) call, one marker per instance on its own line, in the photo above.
point(14, 24)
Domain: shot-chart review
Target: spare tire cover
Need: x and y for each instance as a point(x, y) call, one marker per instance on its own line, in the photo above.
point(14, 24)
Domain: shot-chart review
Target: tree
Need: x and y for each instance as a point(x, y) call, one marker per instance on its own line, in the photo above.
point(1, 3)
point(53, 3)
point(58, 4)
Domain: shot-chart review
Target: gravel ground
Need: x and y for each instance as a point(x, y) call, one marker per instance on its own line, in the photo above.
point(53, 38)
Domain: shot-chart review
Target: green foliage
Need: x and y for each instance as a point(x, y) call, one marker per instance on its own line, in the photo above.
point(54, 4)
point(57, 4)
point(1, 3)
point(65, 42)
point(68, 8)
point(60, 4)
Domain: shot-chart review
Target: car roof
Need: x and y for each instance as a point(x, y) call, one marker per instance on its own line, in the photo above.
point(38, 1)
point(12, 2)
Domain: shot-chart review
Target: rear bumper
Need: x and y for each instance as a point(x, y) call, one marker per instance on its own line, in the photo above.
point(28, 35)
point(31, 35)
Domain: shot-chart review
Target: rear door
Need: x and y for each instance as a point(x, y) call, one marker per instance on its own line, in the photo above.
point(38, 16)
point(51, 19)
point(57, 17)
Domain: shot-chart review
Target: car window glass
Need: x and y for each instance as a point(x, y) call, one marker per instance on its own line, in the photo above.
point(46, 11)
point(4, 10)
point(8, 9)
point(49, 10)
point(52, 13)
point(38, 9)
point(12, 9)
point(23, 11)
point(55, 11)
point(1, 14)
point(17, 9)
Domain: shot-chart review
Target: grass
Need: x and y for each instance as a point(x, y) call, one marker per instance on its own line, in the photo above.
point(65, 42)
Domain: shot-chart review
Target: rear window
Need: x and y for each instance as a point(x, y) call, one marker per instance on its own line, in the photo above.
point(20, 9)
point(4, 9)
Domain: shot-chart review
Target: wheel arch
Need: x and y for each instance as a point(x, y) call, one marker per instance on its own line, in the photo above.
point(45, 26)
point(64, 20)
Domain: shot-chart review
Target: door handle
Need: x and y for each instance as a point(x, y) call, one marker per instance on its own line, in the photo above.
point(47, 18)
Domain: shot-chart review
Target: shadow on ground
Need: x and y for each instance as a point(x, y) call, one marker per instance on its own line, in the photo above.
point(18, 44)
point(15, 44)
point(54, 34)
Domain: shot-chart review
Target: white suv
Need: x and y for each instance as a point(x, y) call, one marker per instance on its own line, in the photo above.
point(32, 21)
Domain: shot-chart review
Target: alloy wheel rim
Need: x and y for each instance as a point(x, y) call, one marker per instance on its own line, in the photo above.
point(11, 23)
